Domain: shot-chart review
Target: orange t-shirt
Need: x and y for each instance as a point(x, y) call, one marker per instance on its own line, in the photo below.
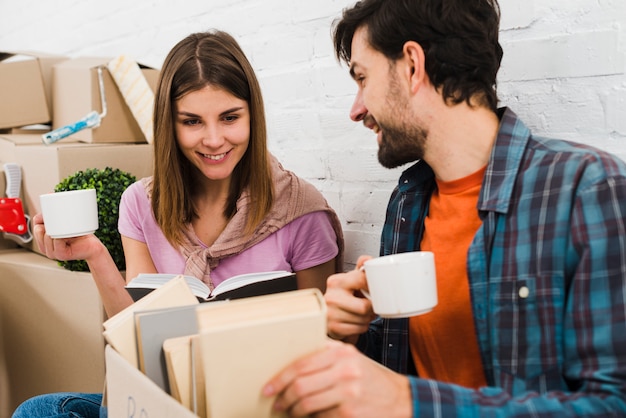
point(443, 342)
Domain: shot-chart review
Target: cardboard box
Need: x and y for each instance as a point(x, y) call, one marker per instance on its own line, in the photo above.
point(129, 393)
point(26, 86)
point(44, 166)
point(37, 129)
point(76, 92)
point(6, 244)
point(4, 380)
point(51, 327)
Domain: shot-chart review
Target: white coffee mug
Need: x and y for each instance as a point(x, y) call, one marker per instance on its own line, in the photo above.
point(402, 285)
point(70, 213)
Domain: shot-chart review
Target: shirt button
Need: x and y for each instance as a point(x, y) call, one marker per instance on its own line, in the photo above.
point(523, 292)
point(403, 219)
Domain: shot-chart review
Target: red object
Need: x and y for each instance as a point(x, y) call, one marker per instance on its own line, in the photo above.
point(12, 218)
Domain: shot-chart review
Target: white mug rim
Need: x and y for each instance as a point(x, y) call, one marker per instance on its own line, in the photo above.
point(397, 258)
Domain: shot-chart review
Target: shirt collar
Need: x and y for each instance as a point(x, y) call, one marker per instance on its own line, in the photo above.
point(502, 168)
point(504, 162)
point(416, 175)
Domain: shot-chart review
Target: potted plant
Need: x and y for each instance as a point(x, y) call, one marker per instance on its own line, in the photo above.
point(109, 183)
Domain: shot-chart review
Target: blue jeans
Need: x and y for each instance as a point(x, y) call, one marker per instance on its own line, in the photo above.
point(62, 405)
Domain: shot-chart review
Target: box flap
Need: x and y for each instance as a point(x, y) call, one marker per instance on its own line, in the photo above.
point(83, 62)
point(90, 62)
point(31, 139)
point(5, 55)
point(131, 393)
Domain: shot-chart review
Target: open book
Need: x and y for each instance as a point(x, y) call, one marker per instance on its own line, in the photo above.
point(236, 287)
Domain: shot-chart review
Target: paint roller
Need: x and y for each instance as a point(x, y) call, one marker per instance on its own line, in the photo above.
point(135, 90)
point(91, 120)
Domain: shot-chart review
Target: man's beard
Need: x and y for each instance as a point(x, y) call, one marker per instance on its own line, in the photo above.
point(401, 142)
point(399, 146)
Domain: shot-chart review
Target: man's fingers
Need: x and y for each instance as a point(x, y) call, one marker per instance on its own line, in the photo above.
point(361, 260)
point(305, 365)
point(304, 380)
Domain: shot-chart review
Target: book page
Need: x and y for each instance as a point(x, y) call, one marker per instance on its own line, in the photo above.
point(156, 280)
point(245, 279)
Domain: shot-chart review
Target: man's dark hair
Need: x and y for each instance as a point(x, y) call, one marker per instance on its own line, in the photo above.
point(459, 39)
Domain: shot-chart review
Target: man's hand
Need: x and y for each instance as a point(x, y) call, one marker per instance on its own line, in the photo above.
point(339, 381)
point(349, 313)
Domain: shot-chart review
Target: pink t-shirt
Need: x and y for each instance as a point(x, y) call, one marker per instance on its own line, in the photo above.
point(303, 243)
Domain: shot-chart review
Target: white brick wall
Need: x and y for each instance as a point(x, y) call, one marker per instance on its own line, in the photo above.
point(563, 73)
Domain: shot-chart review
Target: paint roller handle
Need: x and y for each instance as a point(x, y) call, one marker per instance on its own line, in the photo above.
point(92, 120)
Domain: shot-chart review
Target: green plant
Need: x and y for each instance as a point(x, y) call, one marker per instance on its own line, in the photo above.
point(109, 184)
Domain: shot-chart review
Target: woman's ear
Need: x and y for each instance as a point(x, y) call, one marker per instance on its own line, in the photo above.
point(413, 55)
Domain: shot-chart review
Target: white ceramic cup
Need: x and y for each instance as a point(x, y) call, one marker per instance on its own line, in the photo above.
point(401, 285)
point(70, 214)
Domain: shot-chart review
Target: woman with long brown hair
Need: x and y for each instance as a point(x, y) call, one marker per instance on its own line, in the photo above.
point(218, 205)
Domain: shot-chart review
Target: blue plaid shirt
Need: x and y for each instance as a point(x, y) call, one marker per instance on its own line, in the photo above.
point(554, 225)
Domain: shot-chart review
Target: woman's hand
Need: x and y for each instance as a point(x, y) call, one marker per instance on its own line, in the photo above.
point(64, 249)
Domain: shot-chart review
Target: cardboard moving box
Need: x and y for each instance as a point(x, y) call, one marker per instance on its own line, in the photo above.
point(44, 166)
point(4, 380)
point(51, 327)
point(76, 92)
point(131, 393)
point(26, 86)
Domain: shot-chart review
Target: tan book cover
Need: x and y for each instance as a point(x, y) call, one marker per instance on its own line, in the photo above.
point(119, 330)
point(177, 353)
point(179, 363)
point(245, 342)
point(198, 389)
point(184, 368)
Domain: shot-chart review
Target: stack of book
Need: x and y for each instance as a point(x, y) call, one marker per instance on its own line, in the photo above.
point(214, 358)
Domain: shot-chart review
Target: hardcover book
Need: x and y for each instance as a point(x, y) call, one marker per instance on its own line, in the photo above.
point(119, 330)
point(236, 287)
point(243, 343)
point(152, 328)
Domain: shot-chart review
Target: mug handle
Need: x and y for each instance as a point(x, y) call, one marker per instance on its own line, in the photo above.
point(363, 291)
